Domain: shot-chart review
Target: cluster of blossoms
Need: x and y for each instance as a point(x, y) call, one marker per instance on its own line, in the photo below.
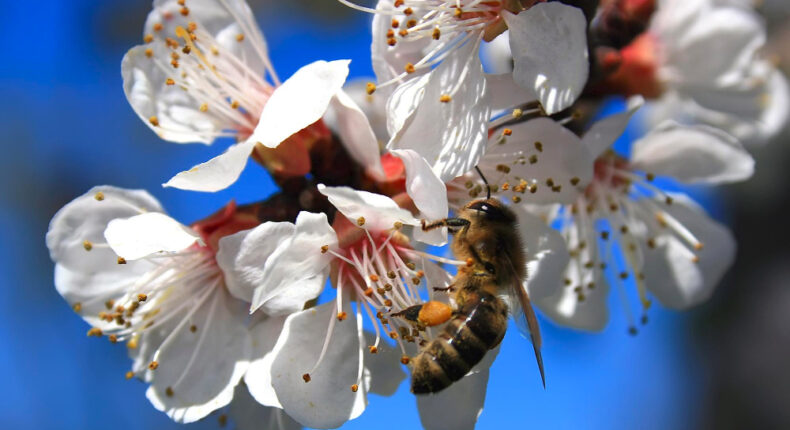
point(223, 315)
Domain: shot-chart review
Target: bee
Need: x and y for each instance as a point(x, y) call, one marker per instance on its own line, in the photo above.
point(486, 237)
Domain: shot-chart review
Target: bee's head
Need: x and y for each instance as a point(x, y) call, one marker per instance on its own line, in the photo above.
point(493, 210)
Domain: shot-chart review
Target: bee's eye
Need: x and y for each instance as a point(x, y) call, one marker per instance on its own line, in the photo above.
point(489, 267)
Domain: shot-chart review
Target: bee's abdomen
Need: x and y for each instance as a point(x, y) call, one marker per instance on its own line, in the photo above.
point(477, 327)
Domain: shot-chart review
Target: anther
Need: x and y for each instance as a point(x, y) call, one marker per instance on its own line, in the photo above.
point(121, 260)
point(698, 246)
point(411, 23)
point(306, 377)
point(403, 32)
point(109, 304)
point(404, 359)
point(142, 297)
point(445, 98)
point(398, 3)
point(204, 107)
point(354, 388)
point(239, 37)
point(632, 331)
point(393, 335)
point(95, 332)
point(575, 181)
point(436, 33)
point(623, 275)
point(411, 266)
point(154, 121)
point(87, 245)
point(507, 132)
point(397, 225)
point(390, 33)
point(669, 200)
point(129, 375)
point(395, 23)
point(169, 392)
point(650, 177)
point(186, 49)
point(234, 104)
point(533, 189)
point(361, 221)
point(391, 41)
point(370, 88)
point(184, 11)
point(112, 338)
point(388, 303)
point(369, 292)
point(341, 316)
point(533, 159)
point(374, 278)
point(158, 27)
point(373, 349)
point(517, 113)
point(391, 274)
point(222, 420)
point(408, 11)
point(191, 26)
point(193, 328)
point(153, 365)
point(409, 68)
point(77, 307)
point(469, 262)
point(516, 199)
point(324, 249)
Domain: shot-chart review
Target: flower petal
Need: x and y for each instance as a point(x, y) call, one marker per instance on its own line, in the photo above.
point(297, 264)
point(692, 154)
point(390, 61)
point(357, 135)
point(679, 275)
point(215, 174)
point(451, 134)
point(469, 392)
point(149, 233)
point(242, 255)
point(567, 309)
point(378, 212)
point(299, 101)
point(199, 370)
point(604, 132)
point(547, 254)
point(549, 46)
point(85, 219)
point(540, 152)
point(428, 193)
point(248, 414)
point(505, 93)
point(327, 400)
point(259, 374)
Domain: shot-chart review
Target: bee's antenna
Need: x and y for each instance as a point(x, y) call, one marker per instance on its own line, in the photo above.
point(488, 187)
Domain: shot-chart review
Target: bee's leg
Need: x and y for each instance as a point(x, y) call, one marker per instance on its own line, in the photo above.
point(448, 289)
point(454, 224)
point(428, 314)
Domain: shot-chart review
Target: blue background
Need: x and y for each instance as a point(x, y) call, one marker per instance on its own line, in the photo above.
point(66, 126)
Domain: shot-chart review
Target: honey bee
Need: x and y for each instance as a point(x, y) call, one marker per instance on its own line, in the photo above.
point(486, 237)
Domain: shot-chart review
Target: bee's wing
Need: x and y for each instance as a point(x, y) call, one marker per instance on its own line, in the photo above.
point(524, 316)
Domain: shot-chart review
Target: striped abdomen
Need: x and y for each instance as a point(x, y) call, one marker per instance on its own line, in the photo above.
point(477, 326)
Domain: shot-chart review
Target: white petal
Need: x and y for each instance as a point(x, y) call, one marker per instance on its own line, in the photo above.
point(216, 174)
point(505, 93)
point(85, 219)
point(562, 157)
point(248, 414)
point(146, 234)
point(604, 132)
point(402, 103)
point(379, 212)
point(327, 400)
point(670, 270)
point(465, 398)
point(565, 308)
point(203, 367)
point(549, 46)
point(297, 268)
point(383, 368)
point(547, 254)
point(299, 101)
point(451, 135)
point(692, 154)
point(242, 255)
point(428, 193)
point(357, 135)
point(390, 61)
point(259, 374)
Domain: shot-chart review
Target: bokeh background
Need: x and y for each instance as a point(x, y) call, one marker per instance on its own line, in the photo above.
point(65, 126)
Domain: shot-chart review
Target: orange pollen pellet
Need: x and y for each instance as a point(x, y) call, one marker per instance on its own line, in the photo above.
point(373, 349)
point(341, 316)
point(395, 23)
point(148, 38)
point(158, 26)
point(374, 278)
point(170, 81)
point(306, 377)
point(409, 68)
point(436, 33)
point(445, 98)
point(142, 297)
point(507, 132)
point(354, 388)
point(405, 359)
point(153, 365)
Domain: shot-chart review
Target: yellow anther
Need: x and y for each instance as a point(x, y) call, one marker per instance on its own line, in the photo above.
point(153, 365)
point(445, 98)
point(395, 23)
point(142, 297)
point(121, 260)
point(361, 221)
point(436, 33)
point(239, 37)
point(169, 390)
point(204, 107)
point(374, 278)
point(373, 349)
point(148, 38)
point(354, 388)
point(324, 249)
point(517, 113)
point(341, 316)
point(158, 27)
point(184, 11)
point(112, 338)
point(408, 11)
point(306, 377)
point(507, 132)
point(397, 225)
point(405, 359)
point(409, 68)
point(191, 26)
point(77, 307)
point(370, 88)
point(87, 245)
point(154, 121)
point(234, 104)
point(129, 375)
point(95, 332)
point(99, 196)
